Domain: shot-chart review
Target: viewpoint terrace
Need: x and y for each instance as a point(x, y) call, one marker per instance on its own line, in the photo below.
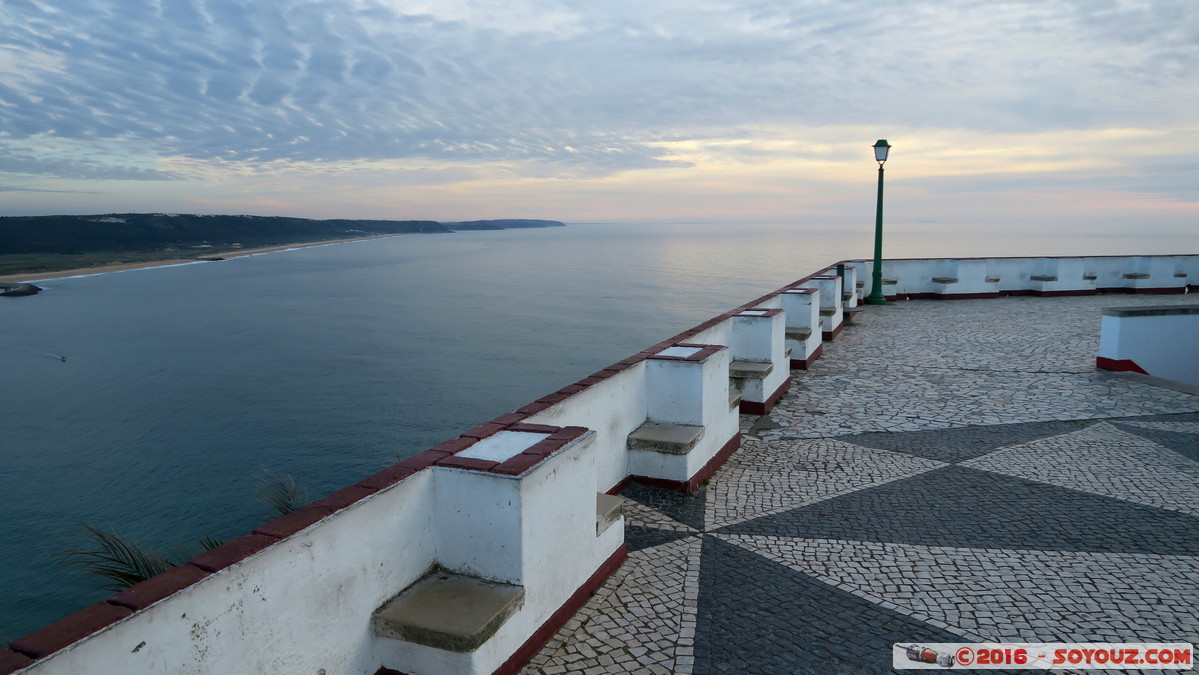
point(934, 472)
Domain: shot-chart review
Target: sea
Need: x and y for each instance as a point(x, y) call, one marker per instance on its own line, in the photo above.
point(152, 402)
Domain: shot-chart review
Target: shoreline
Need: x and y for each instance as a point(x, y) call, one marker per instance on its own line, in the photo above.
point(170, 262)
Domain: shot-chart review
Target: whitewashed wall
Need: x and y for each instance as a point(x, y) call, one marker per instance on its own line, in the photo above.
point(915, 277)
point(1162, 342)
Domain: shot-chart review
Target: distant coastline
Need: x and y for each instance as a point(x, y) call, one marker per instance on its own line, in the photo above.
point(52, 247)
point(212, 256)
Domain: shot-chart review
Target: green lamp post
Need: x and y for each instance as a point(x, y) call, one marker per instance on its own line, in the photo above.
point(876, 286)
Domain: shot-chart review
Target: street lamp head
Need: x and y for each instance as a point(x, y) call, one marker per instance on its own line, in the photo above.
point(880, 150)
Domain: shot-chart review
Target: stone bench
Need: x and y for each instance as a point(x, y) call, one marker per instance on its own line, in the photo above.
point(448, 611)
point(671, 439)
point(608, 510)
point(750, 369)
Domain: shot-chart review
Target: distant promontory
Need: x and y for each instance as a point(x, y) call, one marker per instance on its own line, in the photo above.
point(30, 244)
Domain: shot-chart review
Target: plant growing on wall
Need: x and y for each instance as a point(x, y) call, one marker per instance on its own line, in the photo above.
point(281, 492)
point(124, 563)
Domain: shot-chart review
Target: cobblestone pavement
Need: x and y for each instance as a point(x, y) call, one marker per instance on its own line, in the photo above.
point(947, 472)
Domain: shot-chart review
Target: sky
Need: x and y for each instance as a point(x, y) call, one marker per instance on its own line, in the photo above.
point(1037, 113)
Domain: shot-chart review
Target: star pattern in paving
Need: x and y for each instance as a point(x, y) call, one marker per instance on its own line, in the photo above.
point(1036, 532)
point(936, 476)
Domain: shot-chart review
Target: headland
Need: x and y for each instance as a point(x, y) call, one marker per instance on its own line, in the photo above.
point(44, 247)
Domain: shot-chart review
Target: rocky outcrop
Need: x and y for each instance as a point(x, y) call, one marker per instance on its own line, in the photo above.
point(16, 289)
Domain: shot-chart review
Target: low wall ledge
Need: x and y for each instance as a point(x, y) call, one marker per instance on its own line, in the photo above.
point(1155, 310)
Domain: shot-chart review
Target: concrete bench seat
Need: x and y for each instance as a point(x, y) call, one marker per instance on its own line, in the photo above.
point(1043, 277)
point(671, 439)
point(828, 311)
point(448, 611)
point(799, 333)
point(734, 399)
point(608, 509)
point(945, 280)
point(750, 369)
point(1136, 276)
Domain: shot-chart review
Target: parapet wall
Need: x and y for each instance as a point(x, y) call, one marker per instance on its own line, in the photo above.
point(992, 277)
point(1161, 342)
point(517, 510)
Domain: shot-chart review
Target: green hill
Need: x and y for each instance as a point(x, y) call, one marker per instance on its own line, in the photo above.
point(48, 243)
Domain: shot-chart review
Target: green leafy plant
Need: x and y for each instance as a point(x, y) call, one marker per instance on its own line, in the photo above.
point(122, 562)
point(281, 492)
point(118, 559)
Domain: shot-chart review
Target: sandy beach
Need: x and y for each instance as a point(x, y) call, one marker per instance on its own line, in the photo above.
point(232, 253)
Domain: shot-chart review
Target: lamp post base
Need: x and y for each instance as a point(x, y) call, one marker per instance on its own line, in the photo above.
point(876, 300)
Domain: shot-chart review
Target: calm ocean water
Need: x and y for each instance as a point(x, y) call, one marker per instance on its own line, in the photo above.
point(181, 384)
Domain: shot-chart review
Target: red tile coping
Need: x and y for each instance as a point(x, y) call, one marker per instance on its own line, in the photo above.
point(160, 587)
point(343, 498)
point(68, 631)
point(617, 367)
point(11, 661)
point(484, 430)
point(518, 464)
point(704, 352)
point(293, 522)
point(568, 433)
point(534, 407)
point(556, 439)
point(509, 418)
point(766, 313)
point(533, 428)
point(389, 476)
point(559, 618)
point(231, 553)
point(456, 462)
point(428, 458)
point(553, 398)
point(545, 447)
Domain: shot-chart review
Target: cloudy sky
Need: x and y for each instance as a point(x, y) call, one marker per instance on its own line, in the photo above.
point(1031, 111)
